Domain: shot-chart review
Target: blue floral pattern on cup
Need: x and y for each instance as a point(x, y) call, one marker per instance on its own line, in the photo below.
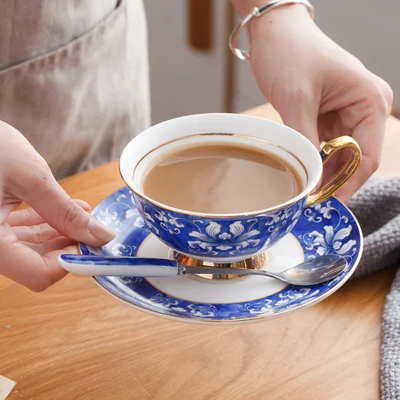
point(325, 228)
point(219, 237)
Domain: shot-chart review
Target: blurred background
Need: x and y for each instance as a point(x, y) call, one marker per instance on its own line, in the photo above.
point(192, 70)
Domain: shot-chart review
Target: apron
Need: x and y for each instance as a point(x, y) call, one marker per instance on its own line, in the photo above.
point(74, 77)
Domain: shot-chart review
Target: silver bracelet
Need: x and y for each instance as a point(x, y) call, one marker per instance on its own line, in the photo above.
point(258, 12)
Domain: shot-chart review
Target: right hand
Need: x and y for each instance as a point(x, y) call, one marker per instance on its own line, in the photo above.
point(319, 89)
point(32, 239)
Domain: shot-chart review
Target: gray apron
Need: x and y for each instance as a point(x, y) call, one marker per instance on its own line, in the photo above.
point(74, 77)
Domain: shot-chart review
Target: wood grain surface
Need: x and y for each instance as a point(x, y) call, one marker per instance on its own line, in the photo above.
point(76, 342)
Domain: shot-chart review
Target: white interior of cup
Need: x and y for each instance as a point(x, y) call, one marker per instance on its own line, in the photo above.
point(285, 143)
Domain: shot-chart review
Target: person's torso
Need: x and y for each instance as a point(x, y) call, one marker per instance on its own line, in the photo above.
point(74, 77)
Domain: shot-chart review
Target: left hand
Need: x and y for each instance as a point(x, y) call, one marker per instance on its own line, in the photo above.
point(31, 240)
point(36, 245)
point(318, 88)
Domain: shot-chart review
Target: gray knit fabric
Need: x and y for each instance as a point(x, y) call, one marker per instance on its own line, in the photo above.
point(377, 208)
point(390, 348)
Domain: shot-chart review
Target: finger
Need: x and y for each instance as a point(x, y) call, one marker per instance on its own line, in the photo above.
point(58, 243)
point(83, 204)
point(302, 116)
point(6, 209)
point(369, 135)
point(23, 265)
point(38, 188)
point(24, 217)
point(29, 216)
point(35, 233)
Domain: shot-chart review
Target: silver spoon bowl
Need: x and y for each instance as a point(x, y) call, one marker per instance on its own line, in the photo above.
point(311, 272)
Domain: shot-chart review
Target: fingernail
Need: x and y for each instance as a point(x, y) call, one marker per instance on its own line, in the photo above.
point(100, 231)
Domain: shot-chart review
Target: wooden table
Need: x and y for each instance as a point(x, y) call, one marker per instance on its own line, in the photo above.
point(75, 342)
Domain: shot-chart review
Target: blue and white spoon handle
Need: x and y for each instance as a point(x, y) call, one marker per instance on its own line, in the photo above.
point(118, 266)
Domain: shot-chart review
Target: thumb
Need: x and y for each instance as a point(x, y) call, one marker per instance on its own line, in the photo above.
point(39, 189)
point(303, 118)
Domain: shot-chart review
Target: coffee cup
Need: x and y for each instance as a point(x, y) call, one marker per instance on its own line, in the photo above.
point(230, 237)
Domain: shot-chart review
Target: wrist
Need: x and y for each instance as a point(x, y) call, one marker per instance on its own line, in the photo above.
point(278, 21)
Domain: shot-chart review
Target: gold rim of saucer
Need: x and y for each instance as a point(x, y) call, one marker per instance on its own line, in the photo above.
point(256, 262)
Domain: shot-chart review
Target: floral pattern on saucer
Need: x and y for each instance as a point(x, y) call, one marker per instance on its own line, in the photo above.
point(325, 228)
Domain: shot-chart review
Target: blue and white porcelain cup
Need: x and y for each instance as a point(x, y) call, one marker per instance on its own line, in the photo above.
point(228, 238)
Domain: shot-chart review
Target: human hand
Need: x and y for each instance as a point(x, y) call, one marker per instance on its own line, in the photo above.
point(32, 239)
point(319, 89)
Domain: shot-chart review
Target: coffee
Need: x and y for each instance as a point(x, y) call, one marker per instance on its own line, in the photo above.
point(221, 179)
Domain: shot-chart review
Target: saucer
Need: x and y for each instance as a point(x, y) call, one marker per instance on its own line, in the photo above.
point(325, 228)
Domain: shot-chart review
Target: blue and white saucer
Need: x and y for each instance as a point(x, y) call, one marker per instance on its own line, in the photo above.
point(326, 228)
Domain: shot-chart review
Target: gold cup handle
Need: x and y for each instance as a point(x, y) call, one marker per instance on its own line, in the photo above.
point(345, 173)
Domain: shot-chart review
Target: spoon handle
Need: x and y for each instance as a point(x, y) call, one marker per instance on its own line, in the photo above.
point(118, 266)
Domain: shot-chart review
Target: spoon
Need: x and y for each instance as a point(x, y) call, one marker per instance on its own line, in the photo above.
point(311, 272)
